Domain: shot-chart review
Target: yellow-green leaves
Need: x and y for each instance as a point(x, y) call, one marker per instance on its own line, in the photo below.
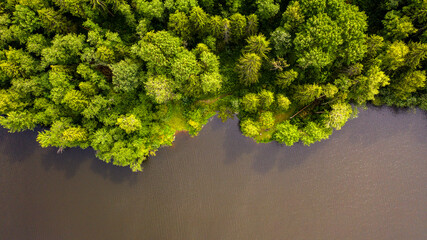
point(160, 88)
point(248, 68)
point(257, 44)
point(287, 133)
point(129, 123)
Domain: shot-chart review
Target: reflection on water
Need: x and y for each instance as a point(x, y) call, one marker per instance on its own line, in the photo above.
point(367, 182)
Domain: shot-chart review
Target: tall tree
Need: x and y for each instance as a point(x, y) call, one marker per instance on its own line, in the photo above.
point(257, 44)
point(248, 68)
point(287, 133)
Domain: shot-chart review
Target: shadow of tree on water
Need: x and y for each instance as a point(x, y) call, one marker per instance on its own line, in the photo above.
point(16, 147)
point(113, 173)
point(22, 147)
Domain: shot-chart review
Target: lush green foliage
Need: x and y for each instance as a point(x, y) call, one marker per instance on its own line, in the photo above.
point(124, 76)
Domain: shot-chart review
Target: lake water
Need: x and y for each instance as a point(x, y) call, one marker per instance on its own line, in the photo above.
point(368, 181)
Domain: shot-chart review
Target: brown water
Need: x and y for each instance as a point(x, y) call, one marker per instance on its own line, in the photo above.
point(369, 181)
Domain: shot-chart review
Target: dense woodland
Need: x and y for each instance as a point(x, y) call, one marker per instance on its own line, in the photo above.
point(123, 76)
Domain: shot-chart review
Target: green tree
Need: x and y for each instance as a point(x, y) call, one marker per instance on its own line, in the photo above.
point(266, 9)
point(251, 24)
point(180, 5)
point(307, 93)
point(375, 44)
point(25, 18)
point(217, 26)
point(334, 33)
point(417, 53)
point(266, 98)
point(398, 27)
point(409, 83)
point(266, 120)
point(329, 90)
point(63, 134)
point(257, 44)
point(367, 86)
point(36, 43)
point(129, 123)
point(394, 56)
point(281, 41)
point(18, 63)
point(102, 141)
point(287, 133)
point(53, 21)
point(74, 135)
point(144, 26)
point(150, 9)
point(180, 25)
point(248, 68)
point(250, 102)
point(96, 105)
point(125, 75)
point(74, 7)
point(293, 16)
point(338, 116)
point(65, 49)
point(88, 88)
point(211, 82)
point(75, 100)
point(314, 132)
point(209, 62)
point(285, 79)
point(184, 66)
point(160, 88)
point(283, 102)
point(199, 20)
point(237, 26)
point(17, 121)
point(249, 128)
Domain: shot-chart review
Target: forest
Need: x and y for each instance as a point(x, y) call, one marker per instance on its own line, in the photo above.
point(123, 76)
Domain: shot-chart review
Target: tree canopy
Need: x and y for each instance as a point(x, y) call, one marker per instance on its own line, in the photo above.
point(122, 77)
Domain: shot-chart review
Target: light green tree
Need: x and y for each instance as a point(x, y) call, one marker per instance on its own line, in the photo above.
point(180, 25)
point(307, 93)
point(251, 24)
point(409, 83)
point(367, 86)
point(65, 49)
point(266, 120)
point(160, 88)
point(394, 56)
point(266, 99)
point(283, 102)
point(398, 27)
point(237, 26)
point(314, 132)
point(257, 44)
point(267, 9)
point(129, 123)
point(125, 75)
point(150, 9)
point(285, 79)
point(248, 68)
point(287, 133)
point(281, 41)
point(199, 20)
point(250, 102)
point(338, 116)
point(75, 100)
point(249, 128)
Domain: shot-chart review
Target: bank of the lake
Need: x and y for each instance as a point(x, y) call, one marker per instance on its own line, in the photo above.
point(368, 181)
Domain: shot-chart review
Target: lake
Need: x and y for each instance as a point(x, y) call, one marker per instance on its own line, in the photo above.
point(368, 181)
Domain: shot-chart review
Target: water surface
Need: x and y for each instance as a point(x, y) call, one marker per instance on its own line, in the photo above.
point(368, 181)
